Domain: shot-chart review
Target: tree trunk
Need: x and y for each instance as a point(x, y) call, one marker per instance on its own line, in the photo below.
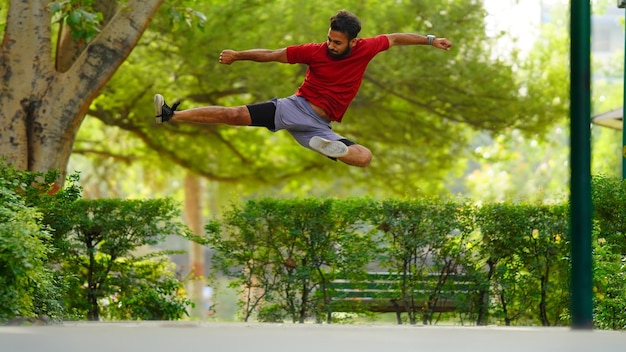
point(193, 217)
point(93, 312)
point(543, 304)
point(42, 107)
point(483, 295)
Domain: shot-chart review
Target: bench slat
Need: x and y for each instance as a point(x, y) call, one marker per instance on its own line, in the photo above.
point(380, 292)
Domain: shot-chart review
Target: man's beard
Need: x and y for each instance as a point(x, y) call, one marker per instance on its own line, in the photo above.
point(339, 55)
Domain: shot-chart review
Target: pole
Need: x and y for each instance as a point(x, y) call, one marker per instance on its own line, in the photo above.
point(580, 160)
point(622, 4)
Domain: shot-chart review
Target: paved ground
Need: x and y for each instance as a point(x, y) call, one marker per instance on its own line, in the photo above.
point(184, 337)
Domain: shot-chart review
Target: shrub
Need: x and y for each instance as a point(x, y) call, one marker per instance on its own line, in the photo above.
point(27, 287)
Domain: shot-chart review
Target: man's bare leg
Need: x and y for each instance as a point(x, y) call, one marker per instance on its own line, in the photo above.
point(237, 116)
point(357, 155)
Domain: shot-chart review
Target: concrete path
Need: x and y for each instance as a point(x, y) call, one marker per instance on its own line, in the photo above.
point(192, 336)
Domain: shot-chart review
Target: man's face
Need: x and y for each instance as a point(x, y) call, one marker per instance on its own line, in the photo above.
point(338, 44)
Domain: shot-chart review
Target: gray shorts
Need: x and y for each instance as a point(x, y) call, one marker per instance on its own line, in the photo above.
point(295, 115)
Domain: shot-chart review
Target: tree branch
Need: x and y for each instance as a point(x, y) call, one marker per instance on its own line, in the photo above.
point(102, 57)
point(123, 158)
point(32, 17)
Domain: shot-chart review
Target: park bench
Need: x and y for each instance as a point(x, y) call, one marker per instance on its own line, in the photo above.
point(380, 292)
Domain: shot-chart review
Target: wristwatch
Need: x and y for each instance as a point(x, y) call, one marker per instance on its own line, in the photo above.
point(430, 39)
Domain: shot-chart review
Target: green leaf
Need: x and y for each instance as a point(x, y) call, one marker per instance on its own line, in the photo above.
point(58, 6)
point(74, 18)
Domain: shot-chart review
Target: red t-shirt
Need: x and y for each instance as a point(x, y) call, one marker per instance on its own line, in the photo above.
point(332, 83)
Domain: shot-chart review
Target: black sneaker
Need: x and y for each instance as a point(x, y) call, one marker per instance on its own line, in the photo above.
point(163, 112)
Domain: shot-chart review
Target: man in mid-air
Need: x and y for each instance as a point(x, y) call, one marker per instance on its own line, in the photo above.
point(334, 75)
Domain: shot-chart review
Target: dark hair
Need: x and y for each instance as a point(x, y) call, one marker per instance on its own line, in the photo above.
point(347, 23)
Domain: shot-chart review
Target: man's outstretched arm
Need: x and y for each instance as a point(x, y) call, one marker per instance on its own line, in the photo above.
point(416, 39)
point(227, 57)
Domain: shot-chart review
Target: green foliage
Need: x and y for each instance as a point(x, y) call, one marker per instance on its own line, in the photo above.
point(285, 252)
point(609, 195)
point(515, 167)
point(421, 238)
point(79, 16)
point(84, 21)
point(62, 256)
point(27, 287)
point(273, 313)
point(23, 258)
point(526, 249)
point(281, 254)
point(609, 287)
point(147, 290)
point(183, 12)
point(99, 239)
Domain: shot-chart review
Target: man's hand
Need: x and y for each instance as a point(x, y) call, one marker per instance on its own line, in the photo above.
point(442, 43)
point(227, 57)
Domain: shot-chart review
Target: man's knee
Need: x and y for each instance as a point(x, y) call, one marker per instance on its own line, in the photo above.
point(366, 158)
point(357, 155)
point(240, 115)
